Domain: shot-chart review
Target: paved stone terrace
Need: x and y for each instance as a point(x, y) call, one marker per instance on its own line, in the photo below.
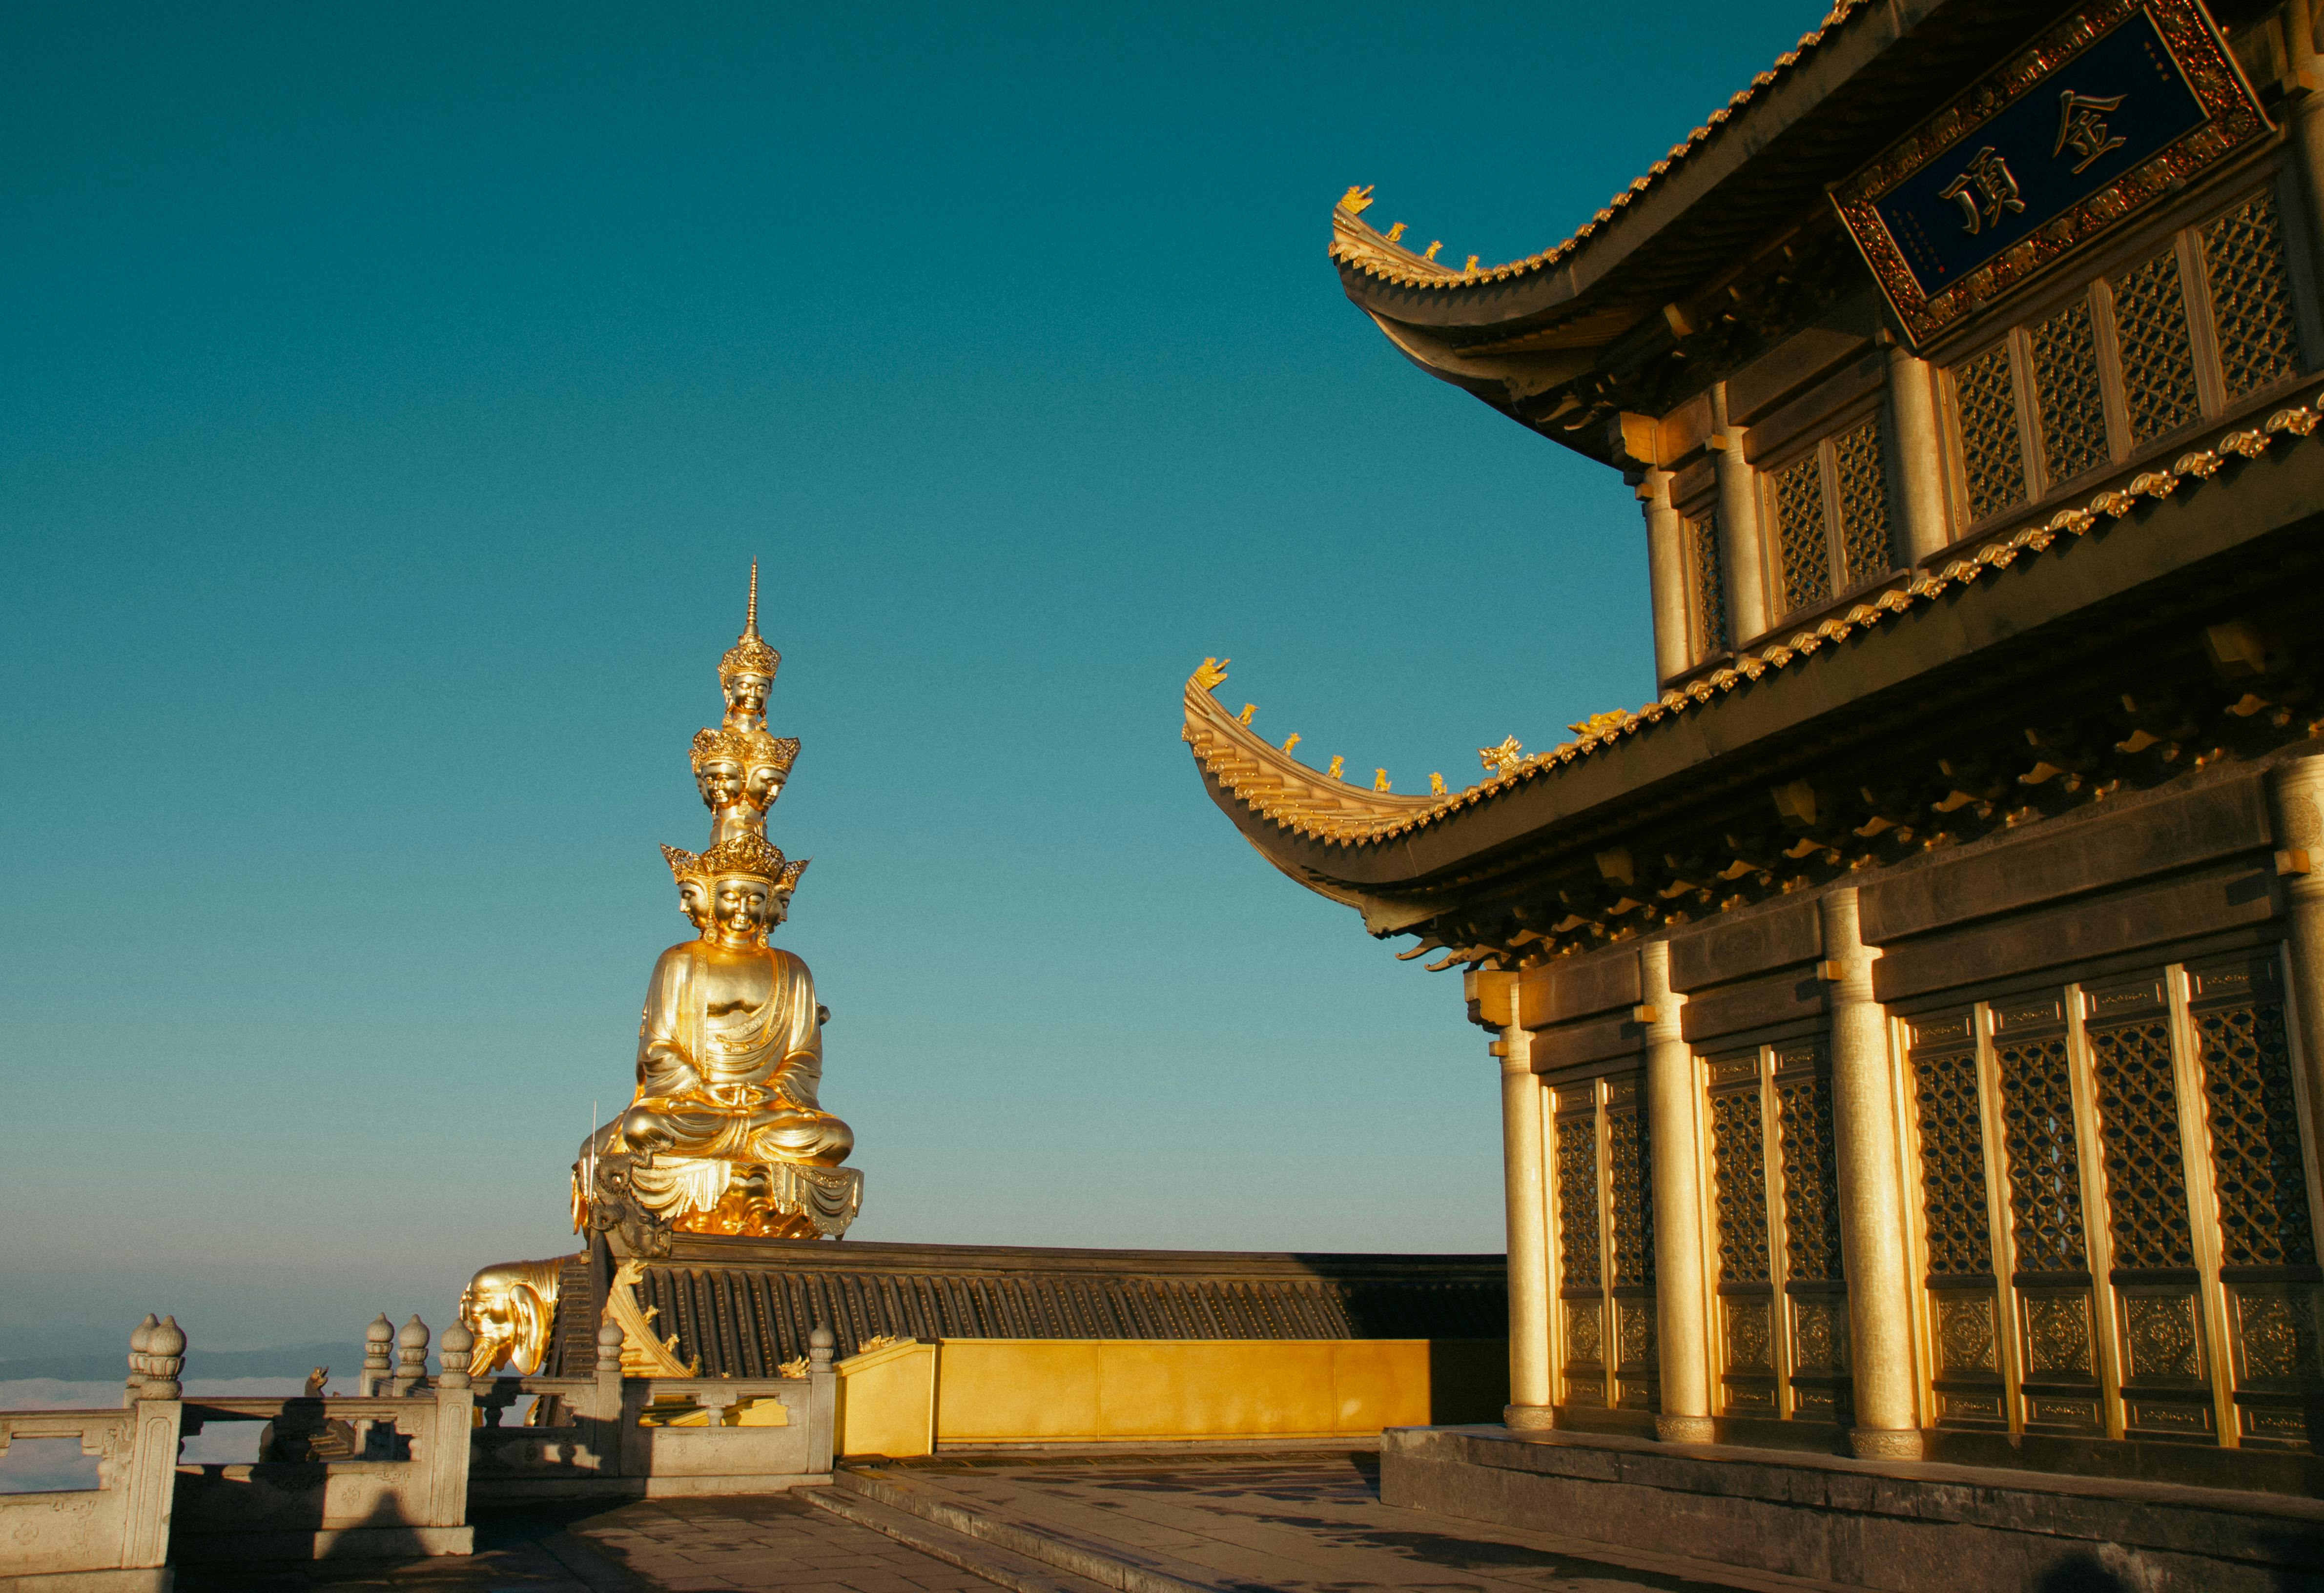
point(1308, 1524)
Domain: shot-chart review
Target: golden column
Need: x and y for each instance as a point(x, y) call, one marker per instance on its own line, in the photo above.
point(1681, 1297)
point(2297, 789)
point(1871, 1194)
point(1920, 460)
point(1526, 1173)
point(1665, 577)
point(1738, 527)
point(2305, 104)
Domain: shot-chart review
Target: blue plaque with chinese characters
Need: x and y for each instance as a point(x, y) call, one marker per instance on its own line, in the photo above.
point(2097, 118)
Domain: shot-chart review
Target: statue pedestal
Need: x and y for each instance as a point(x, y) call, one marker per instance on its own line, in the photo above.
point(780, 1200)
point(754, 1200)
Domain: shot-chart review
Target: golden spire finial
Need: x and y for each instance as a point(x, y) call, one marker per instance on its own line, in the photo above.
point(750, 654)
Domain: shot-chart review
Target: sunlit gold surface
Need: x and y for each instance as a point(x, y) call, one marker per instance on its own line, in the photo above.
point(509, 1307)
point(730, 1048)
point(642, 1354)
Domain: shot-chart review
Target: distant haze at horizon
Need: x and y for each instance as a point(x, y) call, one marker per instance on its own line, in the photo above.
point(395, 401)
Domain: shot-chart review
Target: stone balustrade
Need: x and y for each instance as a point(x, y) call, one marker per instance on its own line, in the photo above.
point(389, 1470)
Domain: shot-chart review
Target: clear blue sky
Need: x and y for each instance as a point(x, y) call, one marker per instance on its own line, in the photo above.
point(391, 401)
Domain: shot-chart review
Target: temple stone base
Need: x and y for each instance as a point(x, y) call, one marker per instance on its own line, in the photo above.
point(1900, 1524)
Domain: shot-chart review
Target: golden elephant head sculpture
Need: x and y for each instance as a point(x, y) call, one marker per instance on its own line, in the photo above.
point(510, 1307)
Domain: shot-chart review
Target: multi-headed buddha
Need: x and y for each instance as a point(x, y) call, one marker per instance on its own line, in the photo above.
point(730, 1051)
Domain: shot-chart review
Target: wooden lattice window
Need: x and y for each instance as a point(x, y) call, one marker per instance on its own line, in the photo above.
point(1829, 508)
point(2251, 297)
point(1991, 455)
point(2158, 351)
point(2198, 325)
point(2068, 394)
point(1707, 585)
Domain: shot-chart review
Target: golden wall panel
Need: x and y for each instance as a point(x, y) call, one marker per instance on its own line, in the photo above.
point(1992, 461)
point(2158, 353)
point(2067, 388)
point(2251, 297)
point(1868, 543)
point(1802, 551)
point(1707, 580)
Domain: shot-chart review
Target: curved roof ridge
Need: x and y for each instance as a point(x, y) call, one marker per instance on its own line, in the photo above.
point(1285, 792)
point(1356, 242)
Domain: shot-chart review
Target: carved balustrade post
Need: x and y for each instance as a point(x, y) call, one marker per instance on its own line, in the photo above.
point(455, 1419)
point(379, 1338)
point(411, 1356)
point(148, 1472)
point(608, 1397)
point(133, 1387)
point(823, 1400)
point(1871, 1194)
point(1681, 1298)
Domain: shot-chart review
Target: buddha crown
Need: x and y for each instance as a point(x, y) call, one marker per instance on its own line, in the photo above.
point(750, 654)
point(683, 865)
point(747, 854)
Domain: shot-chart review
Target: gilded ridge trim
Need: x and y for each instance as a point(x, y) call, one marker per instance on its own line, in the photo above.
point(1280, 789)
point(1354, 243)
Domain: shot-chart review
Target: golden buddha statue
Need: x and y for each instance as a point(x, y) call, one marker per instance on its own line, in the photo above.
point(724, 1133)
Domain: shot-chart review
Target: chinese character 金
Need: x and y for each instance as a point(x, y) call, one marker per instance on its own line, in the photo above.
point(2082, 129)
point(1984, 190)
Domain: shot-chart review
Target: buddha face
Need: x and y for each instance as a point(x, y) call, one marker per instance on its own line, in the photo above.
point(720, 783)
point(746, 694)
point(693, 901)
point(741, 906)
point(759, 786)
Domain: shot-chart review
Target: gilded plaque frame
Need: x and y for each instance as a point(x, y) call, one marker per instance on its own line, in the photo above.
point(2233, 120)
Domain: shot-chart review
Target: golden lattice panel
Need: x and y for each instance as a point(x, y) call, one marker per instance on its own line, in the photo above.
point(1810, 1180)
point(2045, 1175)
point(2158, 354)
point(2138, 1124)
point(2251, 300)
point(1632, 1197)
point(1577, 1202)
point(1867, 544)
point(1739, 1187)
point(1991, 459)
point(2072, 400)
point(1802, 551)
point(1709, 582)
point(1952, 1165)
point(2255, 1121)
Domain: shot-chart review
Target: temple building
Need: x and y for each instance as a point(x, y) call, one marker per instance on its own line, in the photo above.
point(1910, 1019)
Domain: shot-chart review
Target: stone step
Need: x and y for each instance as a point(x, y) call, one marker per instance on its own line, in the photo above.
point(1088, 1562)
point(1019, 1572)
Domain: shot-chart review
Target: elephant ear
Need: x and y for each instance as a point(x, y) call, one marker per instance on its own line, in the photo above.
point(531, 1314)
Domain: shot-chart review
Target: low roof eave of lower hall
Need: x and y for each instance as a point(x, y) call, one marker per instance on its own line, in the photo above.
point(2153, 628)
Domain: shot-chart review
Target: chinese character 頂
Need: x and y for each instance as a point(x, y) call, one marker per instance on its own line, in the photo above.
point(1984, 190)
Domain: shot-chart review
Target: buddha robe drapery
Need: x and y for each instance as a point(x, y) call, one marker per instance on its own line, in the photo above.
point(736, 1085)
